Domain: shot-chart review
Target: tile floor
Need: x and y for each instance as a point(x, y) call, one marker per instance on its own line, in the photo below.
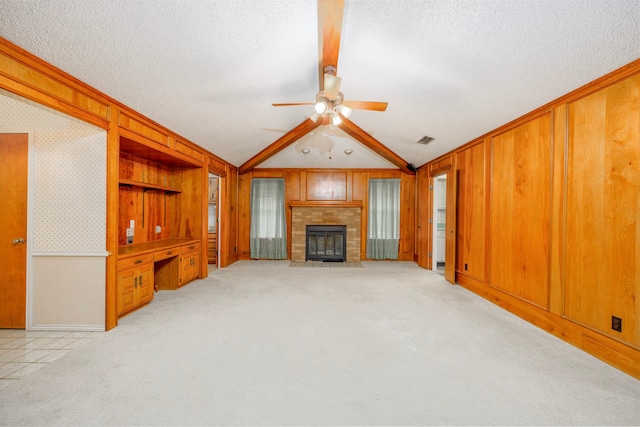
point(23, 352)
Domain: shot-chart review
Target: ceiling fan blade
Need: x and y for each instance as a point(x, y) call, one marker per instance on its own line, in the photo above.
point(330, 14)
point(331, 86)
point(291, 104)
point(366, 105)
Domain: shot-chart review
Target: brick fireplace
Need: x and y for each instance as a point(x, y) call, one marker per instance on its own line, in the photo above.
point(307, 214)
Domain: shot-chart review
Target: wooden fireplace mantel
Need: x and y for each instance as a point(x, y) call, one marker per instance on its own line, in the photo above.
point(325, 203)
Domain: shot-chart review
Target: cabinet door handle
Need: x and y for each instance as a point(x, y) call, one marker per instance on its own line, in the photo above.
point(135, 282)
point(140, 281)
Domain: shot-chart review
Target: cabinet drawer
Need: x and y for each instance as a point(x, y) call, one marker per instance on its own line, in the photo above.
point(167, 253)
point(191, 247)
point(133, 261)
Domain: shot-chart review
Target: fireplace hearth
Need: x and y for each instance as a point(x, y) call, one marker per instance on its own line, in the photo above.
point(326, 243)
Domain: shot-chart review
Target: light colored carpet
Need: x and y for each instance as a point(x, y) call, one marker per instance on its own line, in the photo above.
point(259, 343)
point(323, 264)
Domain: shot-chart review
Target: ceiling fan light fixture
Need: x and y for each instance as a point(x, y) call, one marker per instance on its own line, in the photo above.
point(320, 107)
point(335, 118)
point(314, 117)
point(345, 111)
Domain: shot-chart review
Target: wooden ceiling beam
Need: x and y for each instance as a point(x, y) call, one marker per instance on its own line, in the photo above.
point(369, 141)
point(280, 144)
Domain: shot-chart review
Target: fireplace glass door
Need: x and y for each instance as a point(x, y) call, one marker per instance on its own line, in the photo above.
point(326, 243)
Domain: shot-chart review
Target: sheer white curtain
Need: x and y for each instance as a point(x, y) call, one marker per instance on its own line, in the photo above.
point(383, 232)
point(268, 224)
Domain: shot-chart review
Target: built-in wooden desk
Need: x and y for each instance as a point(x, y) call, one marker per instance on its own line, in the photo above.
point(160, 265)
point(152, 247)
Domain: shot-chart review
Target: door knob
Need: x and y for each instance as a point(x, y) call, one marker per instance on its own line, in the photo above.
point(18, 241)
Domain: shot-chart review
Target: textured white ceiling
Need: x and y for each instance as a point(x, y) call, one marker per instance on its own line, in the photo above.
point(210, 70)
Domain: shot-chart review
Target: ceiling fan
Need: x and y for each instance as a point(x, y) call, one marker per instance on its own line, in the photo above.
point(331, 107)
point(330, 104)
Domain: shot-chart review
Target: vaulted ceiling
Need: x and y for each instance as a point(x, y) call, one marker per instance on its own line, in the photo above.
point(211, 70)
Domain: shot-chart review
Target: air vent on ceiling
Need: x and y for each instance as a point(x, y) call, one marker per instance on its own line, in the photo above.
point(425, 140)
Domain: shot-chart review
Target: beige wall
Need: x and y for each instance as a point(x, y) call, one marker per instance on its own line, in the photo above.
point(68, 293)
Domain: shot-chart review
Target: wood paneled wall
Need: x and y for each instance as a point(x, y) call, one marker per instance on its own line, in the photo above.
point(228, 238)
point(471, 177)
point(602, 249)
point(548, 217)
point(423, 213)
point(330, 186)
point(519, 210)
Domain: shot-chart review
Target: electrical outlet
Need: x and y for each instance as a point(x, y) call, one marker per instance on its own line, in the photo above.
point(616, 323)
point(132, 223)
point(158, 229)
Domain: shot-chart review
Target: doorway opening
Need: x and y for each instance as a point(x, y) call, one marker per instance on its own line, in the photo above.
point(439, 223)
point(212, 220)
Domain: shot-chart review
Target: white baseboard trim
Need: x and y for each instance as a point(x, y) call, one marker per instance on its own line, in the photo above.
point(70, 328)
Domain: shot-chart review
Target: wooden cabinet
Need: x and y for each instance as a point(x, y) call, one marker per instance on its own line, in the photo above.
point(160, 221)
point(172, 263)
point(212, 248)
point(135, 283)
point(190, 263)
point(213, 190)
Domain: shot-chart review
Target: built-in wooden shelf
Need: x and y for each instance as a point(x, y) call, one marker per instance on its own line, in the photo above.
point(325, 203)
point(146, 185)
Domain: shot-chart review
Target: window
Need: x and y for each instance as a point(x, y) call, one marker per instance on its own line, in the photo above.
point(383, 230)
point(268, 224)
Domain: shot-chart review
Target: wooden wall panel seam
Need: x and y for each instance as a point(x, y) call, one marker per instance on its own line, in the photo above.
point(550, 213)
